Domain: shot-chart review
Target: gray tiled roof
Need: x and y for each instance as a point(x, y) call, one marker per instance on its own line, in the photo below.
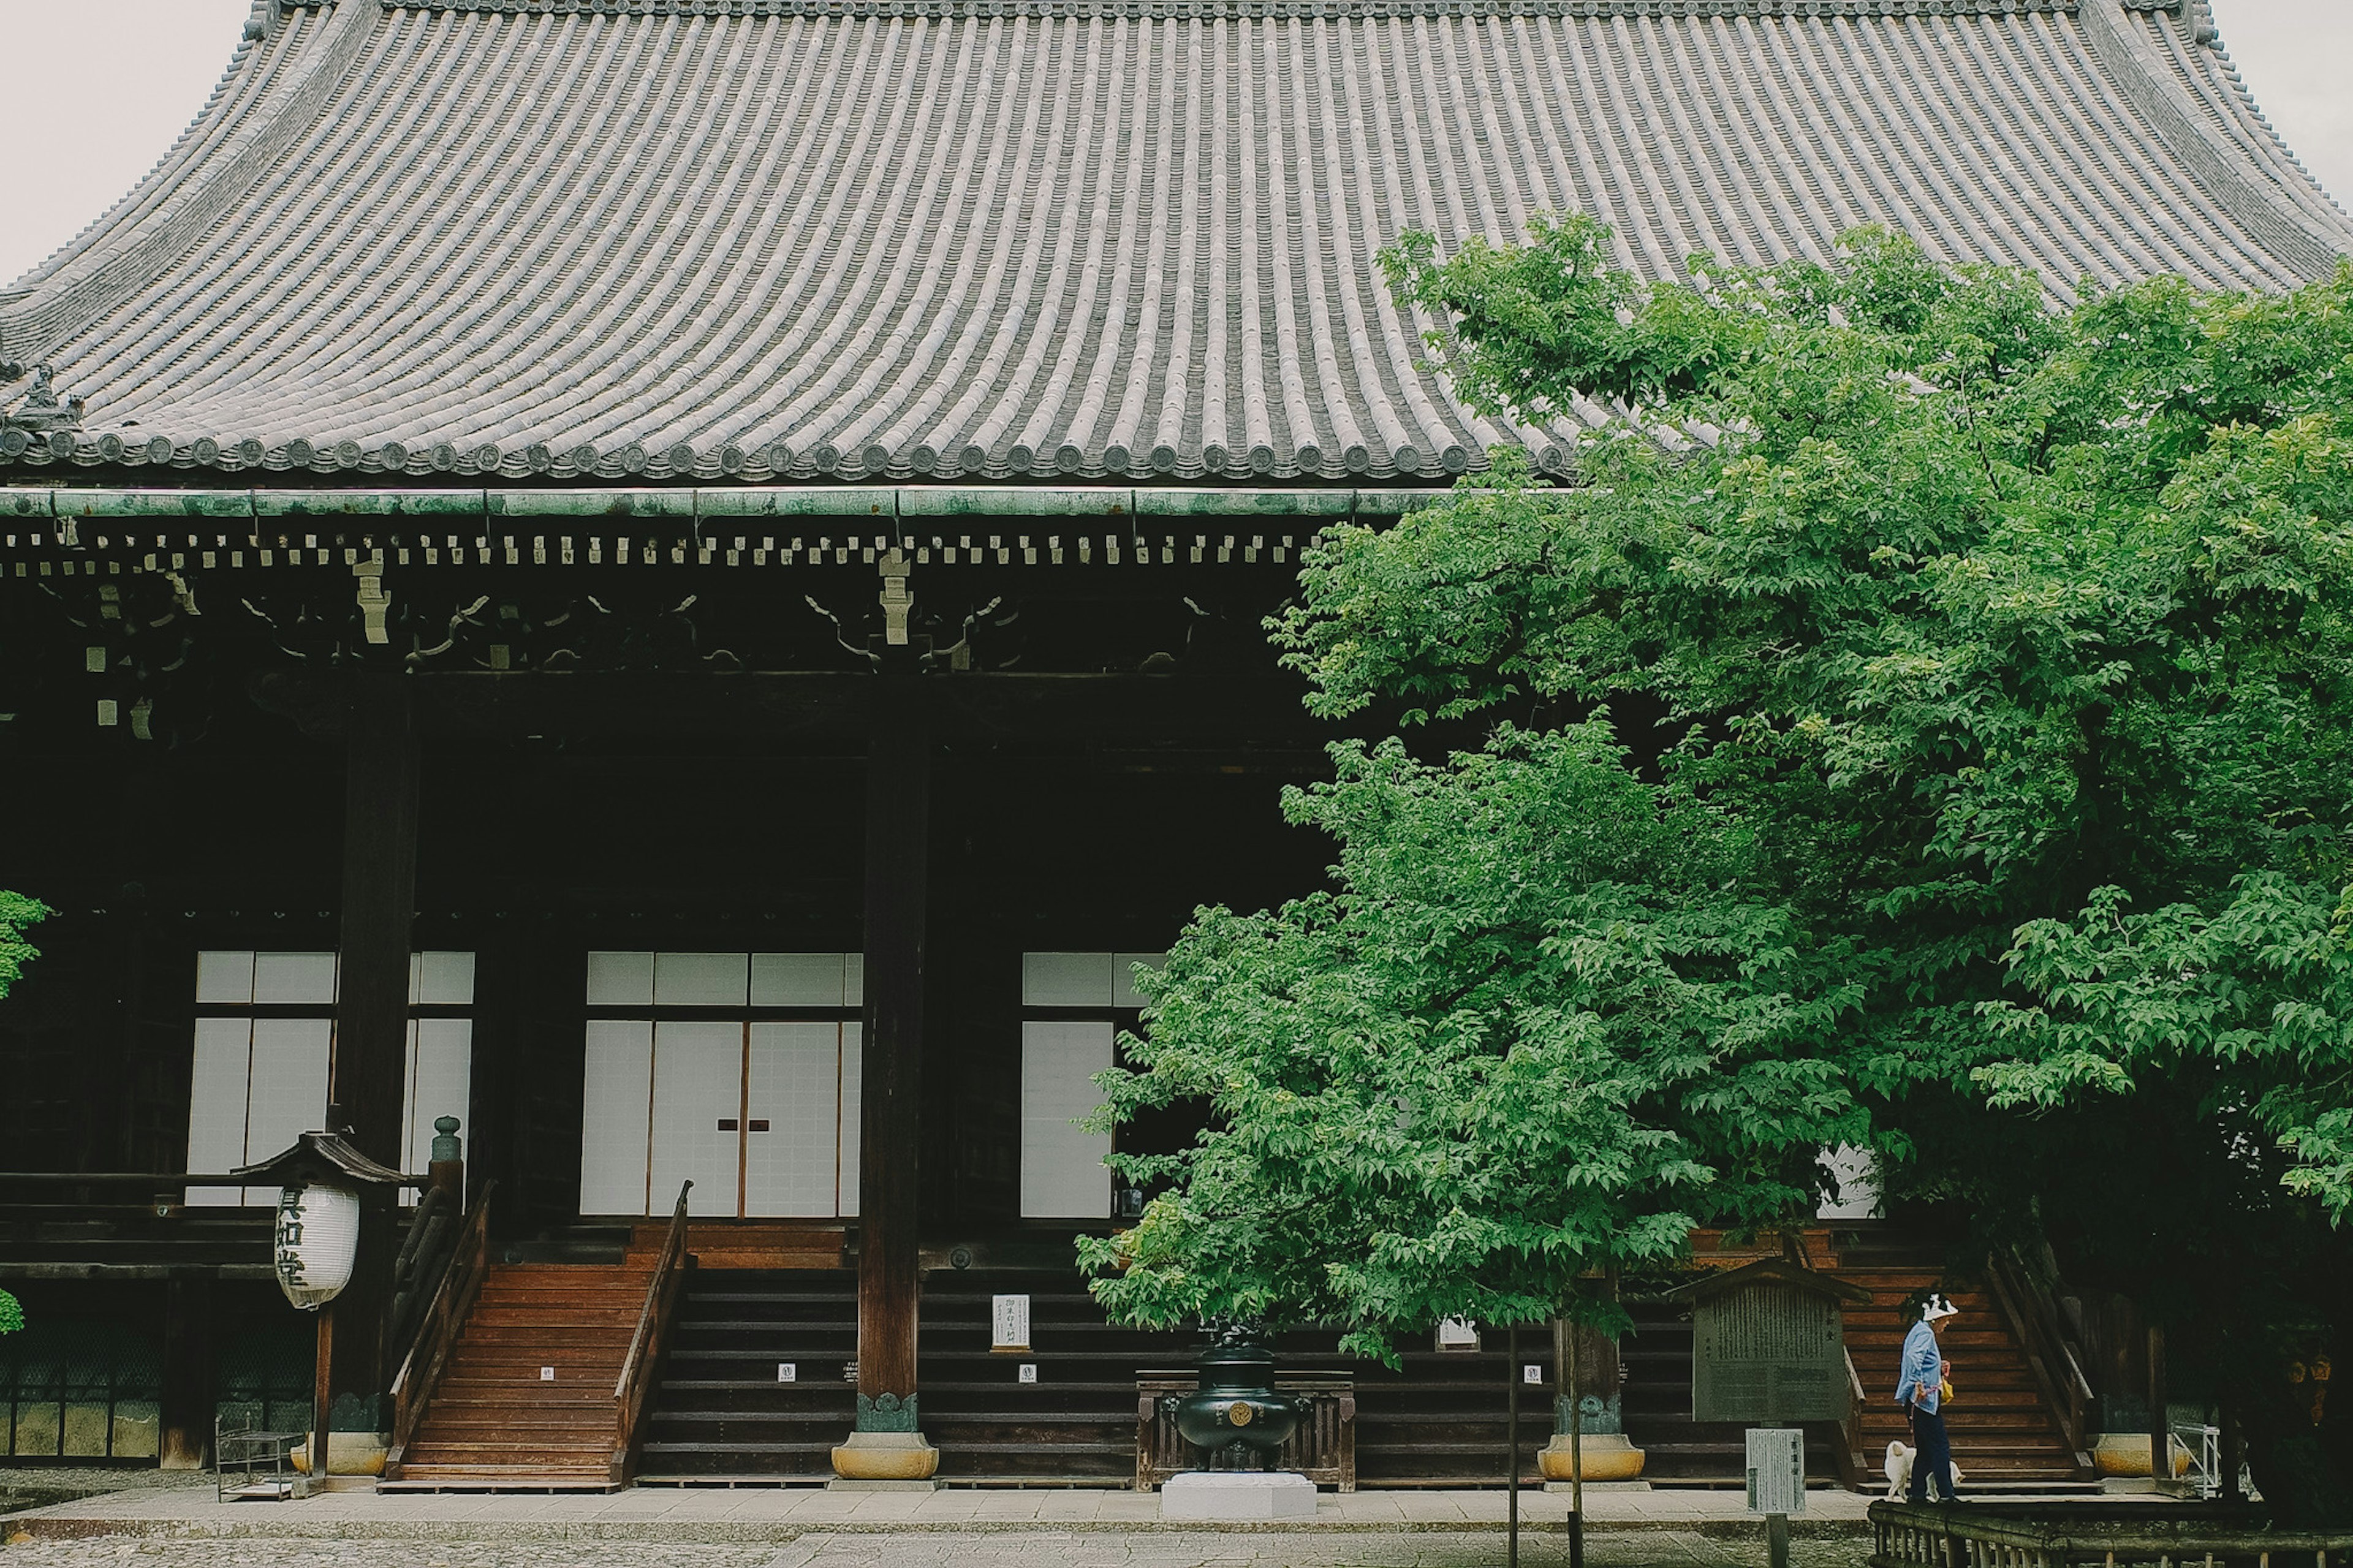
point(964, 238)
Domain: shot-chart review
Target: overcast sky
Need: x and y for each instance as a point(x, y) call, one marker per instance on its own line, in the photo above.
point(98, 89)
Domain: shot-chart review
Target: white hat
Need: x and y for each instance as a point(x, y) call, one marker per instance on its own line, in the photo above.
point(1937, 1307)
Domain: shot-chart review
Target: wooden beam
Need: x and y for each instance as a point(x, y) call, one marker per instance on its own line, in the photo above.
point(188, 1399)
point(898, 811)
point(816, 707)
point(380, 813)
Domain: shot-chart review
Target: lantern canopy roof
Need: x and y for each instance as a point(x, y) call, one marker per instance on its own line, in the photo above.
point(1774, 1271)
point(321, 1156)
point(1126, 240)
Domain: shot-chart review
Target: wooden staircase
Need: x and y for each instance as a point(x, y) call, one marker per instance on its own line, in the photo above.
point(539, 1375)
point(2004, 1434)
point(722, 1416)
point(499, 1421)
point(1076, 1424)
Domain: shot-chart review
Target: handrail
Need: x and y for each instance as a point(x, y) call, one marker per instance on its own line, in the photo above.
point(2083, 1385)
point(1853, 1465)
point(645, 1345)
point(420, 1371)
point(2066, 1392)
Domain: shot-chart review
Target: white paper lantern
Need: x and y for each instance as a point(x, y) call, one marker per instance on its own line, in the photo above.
point(318, 1235)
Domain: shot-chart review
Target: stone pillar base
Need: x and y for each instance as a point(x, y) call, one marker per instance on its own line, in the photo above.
point(2125, 1453)
point(885, 1461)
point(1609, 1456)
point(348, 1453)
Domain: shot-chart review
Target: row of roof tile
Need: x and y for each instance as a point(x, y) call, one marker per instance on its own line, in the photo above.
point(730, 239)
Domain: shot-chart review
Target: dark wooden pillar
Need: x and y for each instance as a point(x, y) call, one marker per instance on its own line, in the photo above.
point(188, 1397)
point(898, 811)
point(380, 808)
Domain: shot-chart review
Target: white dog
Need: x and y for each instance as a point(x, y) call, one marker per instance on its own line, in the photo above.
point(1899, 1471)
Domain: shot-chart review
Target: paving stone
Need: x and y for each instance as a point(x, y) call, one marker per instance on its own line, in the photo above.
point(1042, 1548)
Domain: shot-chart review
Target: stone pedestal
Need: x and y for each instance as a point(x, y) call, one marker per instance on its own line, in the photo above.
point(885, 1461)
point(1608, 1456)
point(1237, 1497)
point(348, 1453)
point(2123, 1455)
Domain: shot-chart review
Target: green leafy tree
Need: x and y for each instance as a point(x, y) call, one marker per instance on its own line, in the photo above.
point(1527, 1040)
point(16, 913)
point(1923, 723)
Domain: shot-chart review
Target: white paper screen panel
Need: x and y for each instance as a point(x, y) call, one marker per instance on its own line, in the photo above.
point(786, 1089)
point(282, 979)
point(440, 1083)
point(441, 980)
point(1062, 1171)
point(1066, 979)
point(701, 979)
point(1102, 981)
point(224, 977)
point(792, 1102)
point(1123, 966)
point(620, 980)
point(1857, 1174)
point(797, 979)
point(258, 1081)
point(617, 1084)
point(698, 1083)
point(217, 1102)
point(289, 1089)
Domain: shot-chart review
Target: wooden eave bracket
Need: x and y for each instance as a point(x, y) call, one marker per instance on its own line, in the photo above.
point(374, 599)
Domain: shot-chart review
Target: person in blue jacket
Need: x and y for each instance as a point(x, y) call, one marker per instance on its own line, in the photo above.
point(1919, 1392)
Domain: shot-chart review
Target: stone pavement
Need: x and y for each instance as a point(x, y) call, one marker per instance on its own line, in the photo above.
point(771, 1516)
point(1030, 1549)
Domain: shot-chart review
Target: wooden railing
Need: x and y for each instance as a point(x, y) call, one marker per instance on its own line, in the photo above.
point(2058, 1370)
point(438, 1329)
point(2028, 1535)
point(1852, 1457)
point(647, 1345)
point(1324, 1448)
point(422, 1262)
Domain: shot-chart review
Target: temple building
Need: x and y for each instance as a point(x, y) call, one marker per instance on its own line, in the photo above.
point(682, 582)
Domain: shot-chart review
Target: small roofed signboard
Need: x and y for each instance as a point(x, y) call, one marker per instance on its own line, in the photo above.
point(1769, 1345)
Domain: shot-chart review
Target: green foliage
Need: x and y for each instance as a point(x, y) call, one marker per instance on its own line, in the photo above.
point(1982, 607)
point(17, 914)
point(1525, 1040)
point(1903, 635)
point(2261, 988)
